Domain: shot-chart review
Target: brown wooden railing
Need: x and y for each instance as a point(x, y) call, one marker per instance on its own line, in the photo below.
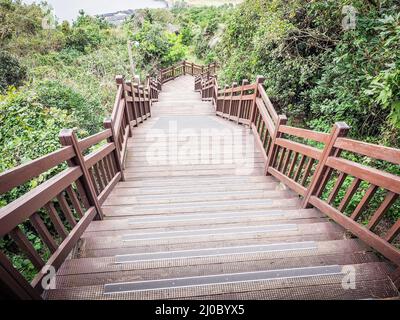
point(317, 174)
point(71, 199)
point(183, 68)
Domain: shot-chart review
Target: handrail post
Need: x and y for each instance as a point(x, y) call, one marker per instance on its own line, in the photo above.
point(108, 124)
point(340, 129)
point(68, 138)
point(134, 113)
point(121, 82)
point(184, 67)
point(282, 120)
point(259, 80)
point(192, 69)
point(244, 82)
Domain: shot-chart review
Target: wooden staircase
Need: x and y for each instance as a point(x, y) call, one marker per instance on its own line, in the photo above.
point(197, 218)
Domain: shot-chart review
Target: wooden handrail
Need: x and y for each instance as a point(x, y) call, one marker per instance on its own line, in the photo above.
point(308, 170)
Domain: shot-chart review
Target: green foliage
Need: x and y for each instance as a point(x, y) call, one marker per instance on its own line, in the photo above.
point(11, 71)
point(317, 72)
point(87, 33)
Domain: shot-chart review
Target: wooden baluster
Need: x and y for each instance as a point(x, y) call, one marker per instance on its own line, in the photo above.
point(55, 219)
point(66, 210)
point(285, 166)
point(12, 284)
point(393, 232)
point(340, 129)
point(292, 164)
point(43, 232)
point(390, 198)
point(307, 171)
point(69, 138)
point(117, 156)
point(23, 243)
point(349, 194)
point(364, 201)
point(192, 69)
point(75, 202)
point(282, 120)
point(299, 168)
point(338, 184)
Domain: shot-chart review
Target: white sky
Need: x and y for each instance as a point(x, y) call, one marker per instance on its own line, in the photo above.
point(69, 9)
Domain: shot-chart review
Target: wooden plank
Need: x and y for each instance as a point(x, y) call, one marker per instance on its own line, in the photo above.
point(370, 150)
point(21, 209)
point(14, 283)
point(306, 134)
point(265, 116)
point(268, 103)
point(374, 176)
point(17, 176)
point(94, 157)
point(308, 151)
point(94, 139)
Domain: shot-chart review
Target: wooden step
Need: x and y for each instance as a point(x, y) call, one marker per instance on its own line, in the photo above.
point(231, 205)
point(307, 283)
point(197, 197)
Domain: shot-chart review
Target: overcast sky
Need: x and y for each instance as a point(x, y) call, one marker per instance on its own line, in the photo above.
point(69, 9)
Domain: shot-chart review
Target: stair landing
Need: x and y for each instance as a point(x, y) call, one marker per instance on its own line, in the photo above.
point(196, 218)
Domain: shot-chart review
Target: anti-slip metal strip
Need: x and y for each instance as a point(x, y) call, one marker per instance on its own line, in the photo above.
point(222, 279)
point(209, 232)
point(202, 216)
point(209, 252)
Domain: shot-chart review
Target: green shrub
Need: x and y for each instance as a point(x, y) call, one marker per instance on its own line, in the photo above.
point(11, 71)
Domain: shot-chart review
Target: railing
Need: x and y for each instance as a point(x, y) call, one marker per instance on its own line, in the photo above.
point(313, 164)
point(71, 199)
point(184, 68)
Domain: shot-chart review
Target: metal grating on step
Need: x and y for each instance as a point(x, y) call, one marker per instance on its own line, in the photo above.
point(222, 279)
point(201, 232)
point(202, 216)
point(210, 252)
